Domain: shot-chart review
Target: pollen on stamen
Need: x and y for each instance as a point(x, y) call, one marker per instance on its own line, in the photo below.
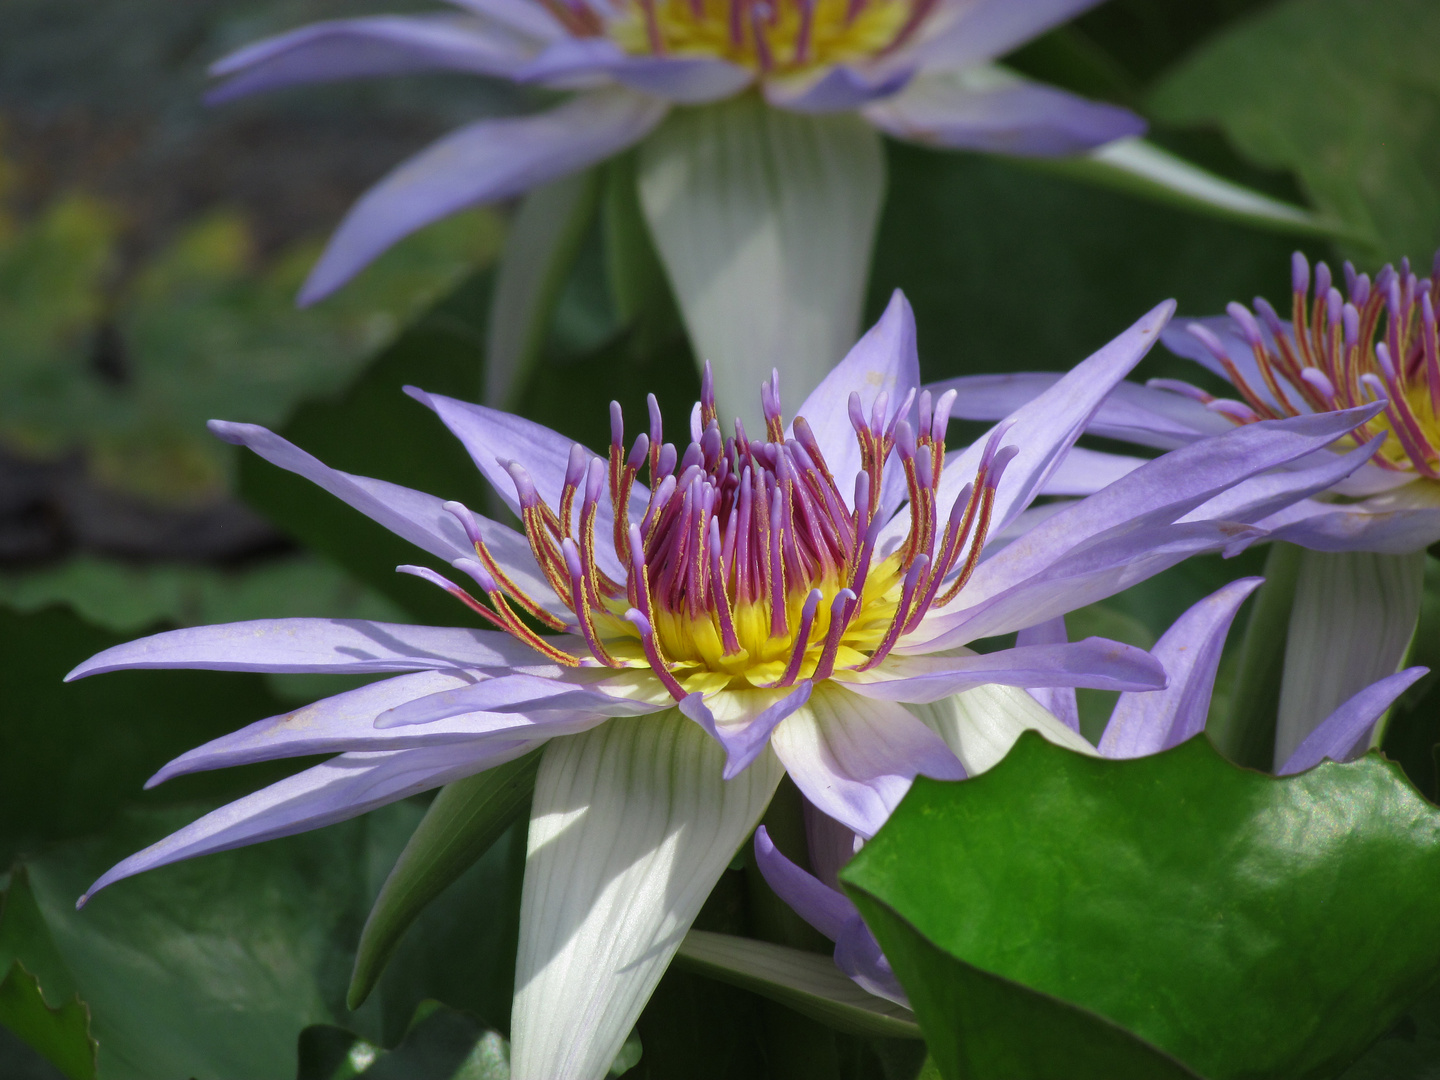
point(1377, 343)
point(753, 566)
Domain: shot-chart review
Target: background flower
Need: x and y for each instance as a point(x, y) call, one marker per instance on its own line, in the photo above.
point(764, 217)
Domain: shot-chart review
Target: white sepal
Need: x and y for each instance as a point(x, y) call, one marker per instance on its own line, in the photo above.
point(630, 828)
point(765, 220)
point(1351, 624)
point(981, 725)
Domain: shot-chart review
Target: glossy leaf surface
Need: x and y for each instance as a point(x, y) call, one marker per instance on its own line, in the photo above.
point(1249, 926)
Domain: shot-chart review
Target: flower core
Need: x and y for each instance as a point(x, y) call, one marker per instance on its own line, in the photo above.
point(768, 36)
point(748, 566)
point(1340, 353)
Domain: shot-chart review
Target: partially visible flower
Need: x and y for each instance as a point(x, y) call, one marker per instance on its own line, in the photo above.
point(785, 603)
point(1139, 725)
point(916, 68)
point(1357, 588)
point(1377, 344)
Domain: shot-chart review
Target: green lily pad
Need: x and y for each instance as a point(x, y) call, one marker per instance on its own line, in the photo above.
point(1245, 925)
point(61, 1034)
point(1344, 92)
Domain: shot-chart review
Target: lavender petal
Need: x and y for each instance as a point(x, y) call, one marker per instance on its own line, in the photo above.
point(413, 515)
point(957, 111)
point(337, 790)
point(744, 732)
point(855, 758)
point(1095, 662)
point(320, 646)
point(479, 163)
point(367, 47)
point(1340, 735)
point(827, 910)
point(1060, 700)
point(1190, 652)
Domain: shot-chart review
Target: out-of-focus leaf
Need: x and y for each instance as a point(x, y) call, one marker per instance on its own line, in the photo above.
point(463, 822)
point(1247, 925)
point(1344, 92)
point(211, 968)
point(38, 998)
point(199, 331)
point(808, 982)
point(129, 598)
point(1050, 270)
point(61, 1034)
point(540, 251)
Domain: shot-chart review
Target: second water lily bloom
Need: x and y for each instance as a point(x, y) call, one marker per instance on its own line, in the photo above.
point(678, 629)
point(1347, 342)
point(1140, 724)
point(759, 174)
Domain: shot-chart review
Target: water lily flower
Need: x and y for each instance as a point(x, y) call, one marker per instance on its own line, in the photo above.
point(783, 602)
point(1359, 583)
point(763, 209)
point(993, 717)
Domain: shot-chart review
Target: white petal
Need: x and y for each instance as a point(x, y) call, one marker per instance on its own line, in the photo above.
point(630, 828)
point(765, 221)
point(981, 725)
point(1353, 618)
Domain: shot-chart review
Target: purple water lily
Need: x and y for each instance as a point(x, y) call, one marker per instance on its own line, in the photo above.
point(1139, 725)
point(1358, 584)
point(800, 601)
point(916, 69)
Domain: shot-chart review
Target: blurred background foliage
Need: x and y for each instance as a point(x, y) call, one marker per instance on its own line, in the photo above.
point(149, 252)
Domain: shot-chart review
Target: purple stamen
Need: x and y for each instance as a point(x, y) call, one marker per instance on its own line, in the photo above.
point(802, 639)
point(841, 608)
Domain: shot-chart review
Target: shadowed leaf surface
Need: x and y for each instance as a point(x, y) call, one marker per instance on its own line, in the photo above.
point(1249, 926)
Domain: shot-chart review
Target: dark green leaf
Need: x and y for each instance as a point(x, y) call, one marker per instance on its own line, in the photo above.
point(71, 754)
point(1344, 92)
point(442, 1044)
point(1409, 1051)
point(1249, 926)
point(61, 1034)
point(979, 1026)
point(463, 822)
point(1050, 270)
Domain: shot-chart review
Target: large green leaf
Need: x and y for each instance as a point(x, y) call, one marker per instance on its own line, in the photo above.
point(980, 1026)
point(211, 968)
point(61, 1034)
point(1344, 92)
point(1249, 926)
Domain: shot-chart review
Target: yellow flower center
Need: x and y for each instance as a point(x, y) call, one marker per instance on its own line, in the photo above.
point(783, 36)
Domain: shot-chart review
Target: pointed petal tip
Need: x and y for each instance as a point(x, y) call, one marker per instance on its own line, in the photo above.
point(229, 431)
point(422, 396)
